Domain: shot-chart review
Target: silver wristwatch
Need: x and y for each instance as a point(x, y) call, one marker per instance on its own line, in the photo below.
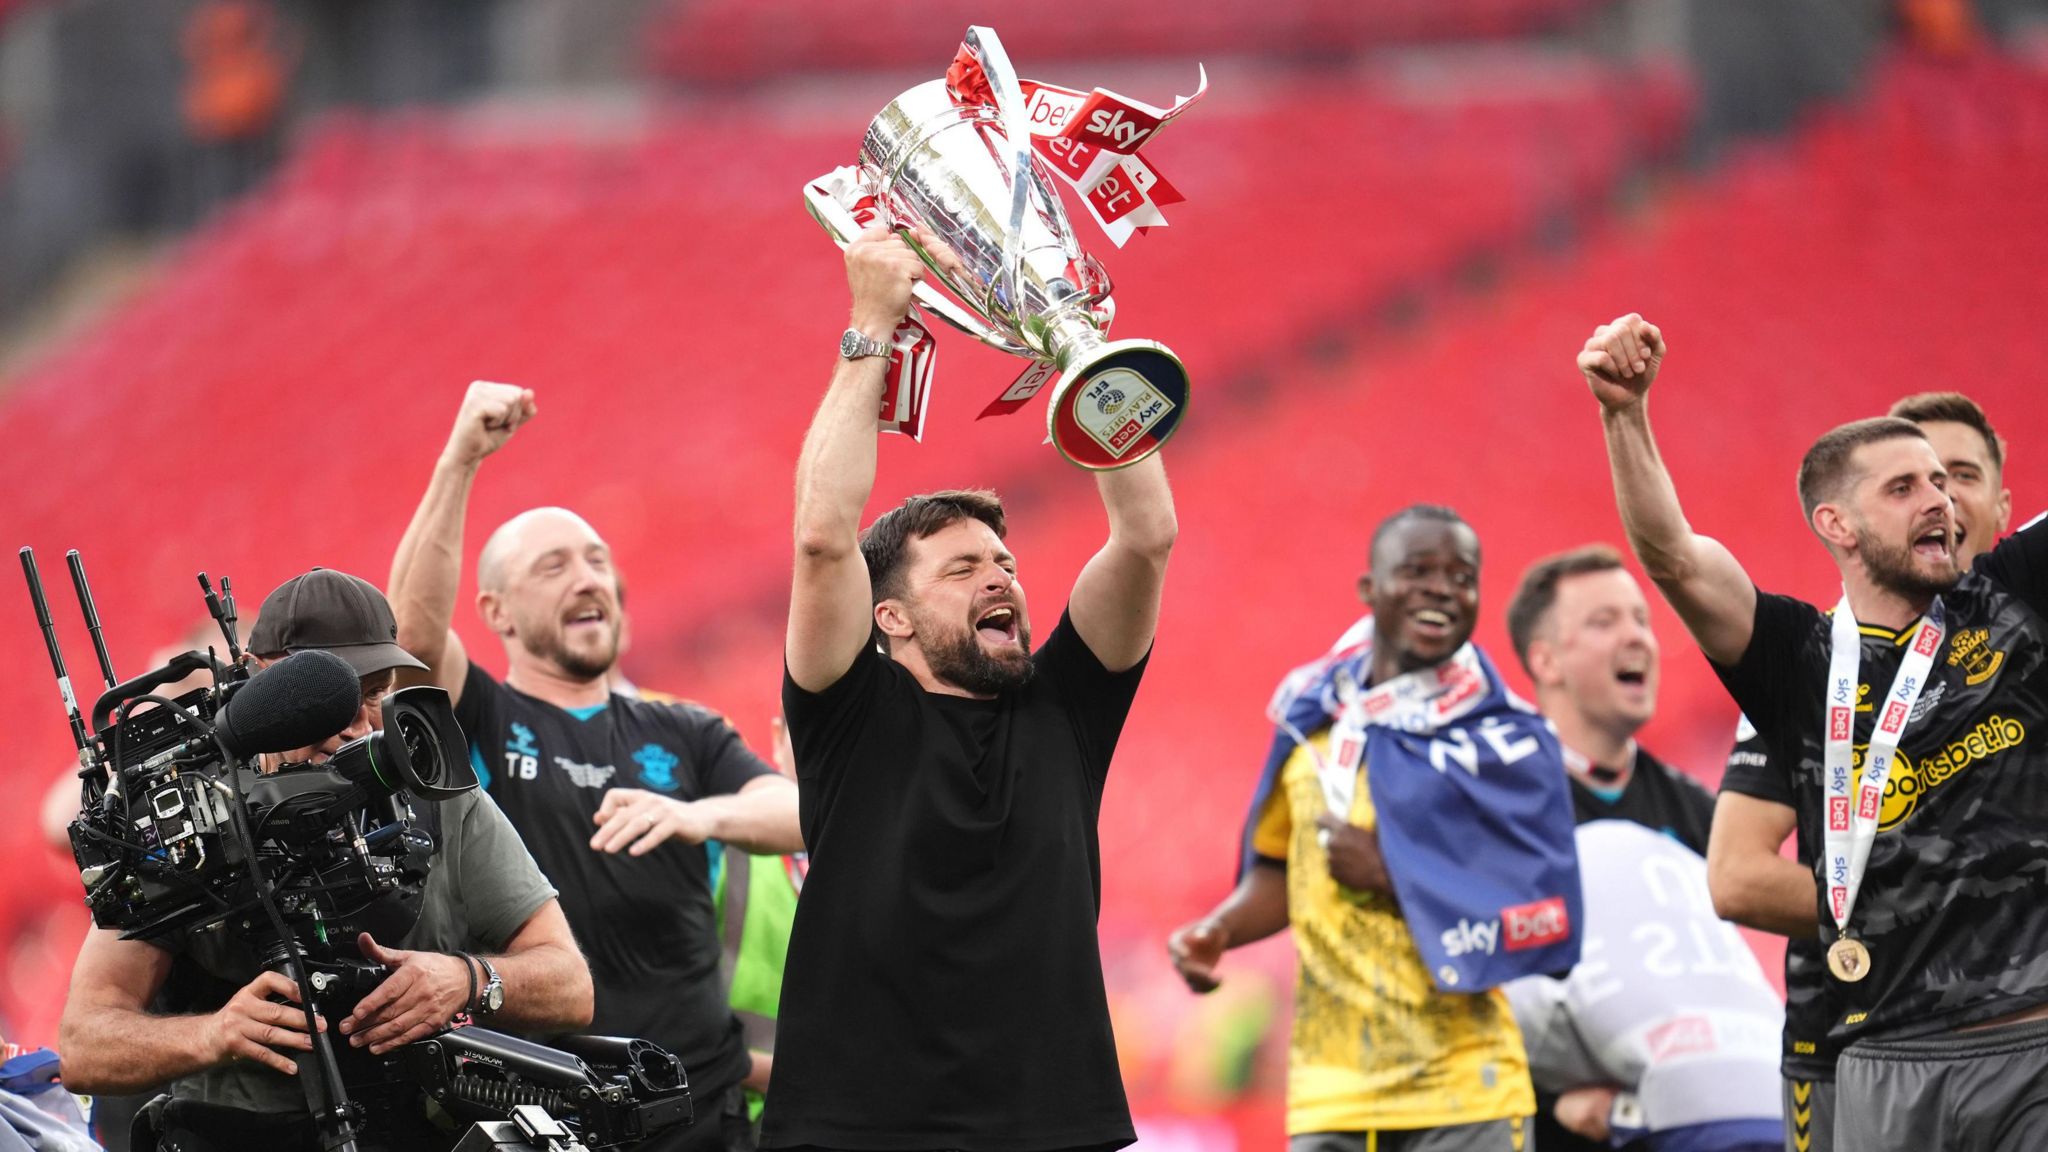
point(854, 344)
point(493, 996)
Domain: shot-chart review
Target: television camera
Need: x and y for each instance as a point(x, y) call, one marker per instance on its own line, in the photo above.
point(181, 831)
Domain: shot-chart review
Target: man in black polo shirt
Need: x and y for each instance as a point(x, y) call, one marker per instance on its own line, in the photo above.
point(1930, 808)
point(1752, 883)
point(944, 982)
point(614, 796)
point(1581, 627)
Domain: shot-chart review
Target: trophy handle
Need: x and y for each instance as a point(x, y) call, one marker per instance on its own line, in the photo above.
point(840, 224)
point(1009, 94)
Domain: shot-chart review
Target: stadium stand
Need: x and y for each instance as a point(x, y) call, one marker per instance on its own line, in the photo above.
point(731, 41)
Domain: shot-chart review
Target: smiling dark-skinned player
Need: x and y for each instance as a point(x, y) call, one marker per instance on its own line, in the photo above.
point(1437, 1071)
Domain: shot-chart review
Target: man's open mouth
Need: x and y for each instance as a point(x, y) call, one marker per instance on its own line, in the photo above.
point(1934, 543)
point(1431, 623)
point(998, 625)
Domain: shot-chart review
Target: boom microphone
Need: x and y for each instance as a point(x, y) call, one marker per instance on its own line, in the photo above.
point(298, 701)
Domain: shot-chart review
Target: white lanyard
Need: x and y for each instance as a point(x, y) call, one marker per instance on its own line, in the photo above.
point(1852, 818)
point(1419, 702)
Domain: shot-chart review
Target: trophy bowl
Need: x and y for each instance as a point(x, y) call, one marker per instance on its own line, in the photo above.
point(978, 204)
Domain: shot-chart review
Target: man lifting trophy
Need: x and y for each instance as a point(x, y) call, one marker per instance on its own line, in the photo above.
point(965, 170)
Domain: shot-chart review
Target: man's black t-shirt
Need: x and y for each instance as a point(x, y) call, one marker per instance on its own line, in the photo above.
point(1655, 795)
point(646, 923)
point(1954, 900)
point(944, 982)
point(1810, 1007)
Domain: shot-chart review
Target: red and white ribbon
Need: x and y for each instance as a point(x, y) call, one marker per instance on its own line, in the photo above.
point(1091, 139)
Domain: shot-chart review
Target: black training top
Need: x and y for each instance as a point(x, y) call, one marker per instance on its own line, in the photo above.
point(944, 983)
point(1810, 1007)
point(1954, 901)
point(1657, 796)
point(646, 923)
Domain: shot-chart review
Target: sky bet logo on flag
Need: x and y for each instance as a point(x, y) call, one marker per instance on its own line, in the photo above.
point(1537, 924)
point(1521, 927)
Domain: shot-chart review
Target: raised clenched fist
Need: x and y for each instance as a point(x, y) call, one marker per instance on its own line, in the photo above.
point(490, 413)
point(881, 270)
point(1620, 361)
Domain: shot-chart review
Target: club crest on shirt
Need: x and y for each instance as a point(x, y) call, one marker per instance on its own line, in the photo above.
point(1972, 652)
point(522, 741)
point(585, 775)
point(522, 755)
point(657, 767)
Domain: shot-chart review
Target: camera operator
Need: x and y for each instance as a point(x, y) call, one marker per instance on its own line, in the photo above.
point(197, 1009)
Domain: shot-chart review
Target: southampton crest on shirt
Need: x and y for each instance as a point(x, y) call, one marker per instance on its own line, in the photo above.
point(657, 767)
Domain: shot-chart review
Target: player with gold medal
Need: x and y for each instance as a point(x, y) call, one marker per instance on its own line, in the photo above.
point(1855, 800)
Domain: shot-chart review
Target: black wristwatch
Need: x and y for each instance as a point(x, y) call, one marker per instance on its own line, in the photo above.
point(493, 997)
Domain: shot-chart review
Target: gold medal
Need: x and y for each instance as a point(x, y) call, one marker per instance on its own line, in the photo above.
point(1848, 959)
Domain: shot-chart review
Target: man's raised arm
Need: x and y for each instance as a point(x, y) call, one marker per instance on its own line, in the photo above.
point(831, 602)
point(426, 572)
point(1701, 578)
point(1115, 604)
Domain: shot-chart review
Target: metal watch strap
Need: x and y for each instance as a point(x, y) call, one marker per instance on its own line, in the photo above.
point(855, 344)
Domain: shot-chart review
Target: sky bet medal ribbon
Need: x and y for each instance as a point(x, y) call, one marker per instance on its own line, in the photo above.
point(971, 161)
point(1854, 799)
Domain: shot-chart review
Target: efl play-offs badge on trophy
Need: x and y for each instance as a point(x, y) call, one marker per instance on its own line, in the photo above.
point(965, 169)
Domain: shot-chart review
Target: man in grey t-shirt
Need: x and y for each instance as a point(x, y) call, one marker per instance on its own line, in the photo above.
point(199, 1011)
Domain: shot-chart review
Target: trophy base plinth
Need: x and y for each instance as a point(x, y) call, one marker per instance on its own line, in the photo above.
point(1117, 403)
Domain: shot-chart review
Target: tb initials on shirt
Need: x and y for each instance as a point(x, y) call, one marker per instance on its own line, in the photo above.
point(522, 755)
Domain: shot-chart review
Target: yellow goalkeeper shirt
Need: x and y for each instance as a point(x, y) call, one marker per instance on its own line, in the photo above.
point(1375, 1045)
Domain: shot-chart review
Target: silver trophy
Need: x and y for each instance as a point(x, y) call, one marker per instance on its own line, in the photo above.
point(967, 176)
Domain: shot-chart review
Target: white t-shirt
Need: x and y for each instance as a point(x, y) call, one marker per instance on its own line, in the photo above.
point(1667, 1002)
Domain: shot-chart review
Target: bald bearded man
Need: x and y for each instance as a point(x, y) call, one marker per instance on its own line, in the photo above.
point(615, 796)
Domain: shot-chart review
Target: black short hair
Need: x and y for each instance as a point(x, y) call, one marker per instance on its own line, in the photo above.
point(1537, 594)
point(1954, 408)
point(1826, 467)
point(1437, 513)
point(886, 543)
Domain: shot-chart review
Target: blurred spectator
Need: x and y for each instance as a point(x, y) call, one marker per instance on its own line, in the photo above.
point(1942, 28)
point(234, 92)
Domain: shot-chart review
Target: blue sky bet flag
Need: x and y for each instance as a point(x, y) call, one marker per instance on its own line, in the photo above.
point(1475, 812)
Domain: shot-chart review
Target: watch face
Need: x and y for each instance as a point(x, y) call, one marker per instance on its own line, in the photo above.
point(494, 997)
point(849, 344)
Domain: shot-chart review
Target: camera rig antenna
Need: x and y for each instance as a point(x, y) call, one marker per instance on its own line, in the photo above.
point(92, 616)
point(86, 759)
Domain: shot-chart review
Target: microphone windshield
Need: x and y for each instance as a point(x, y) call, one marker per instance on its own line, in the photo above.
point(297, 702)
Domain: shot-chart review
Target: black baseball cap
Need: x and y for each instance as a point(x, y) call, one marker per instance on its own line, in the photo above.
point(334, 612)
